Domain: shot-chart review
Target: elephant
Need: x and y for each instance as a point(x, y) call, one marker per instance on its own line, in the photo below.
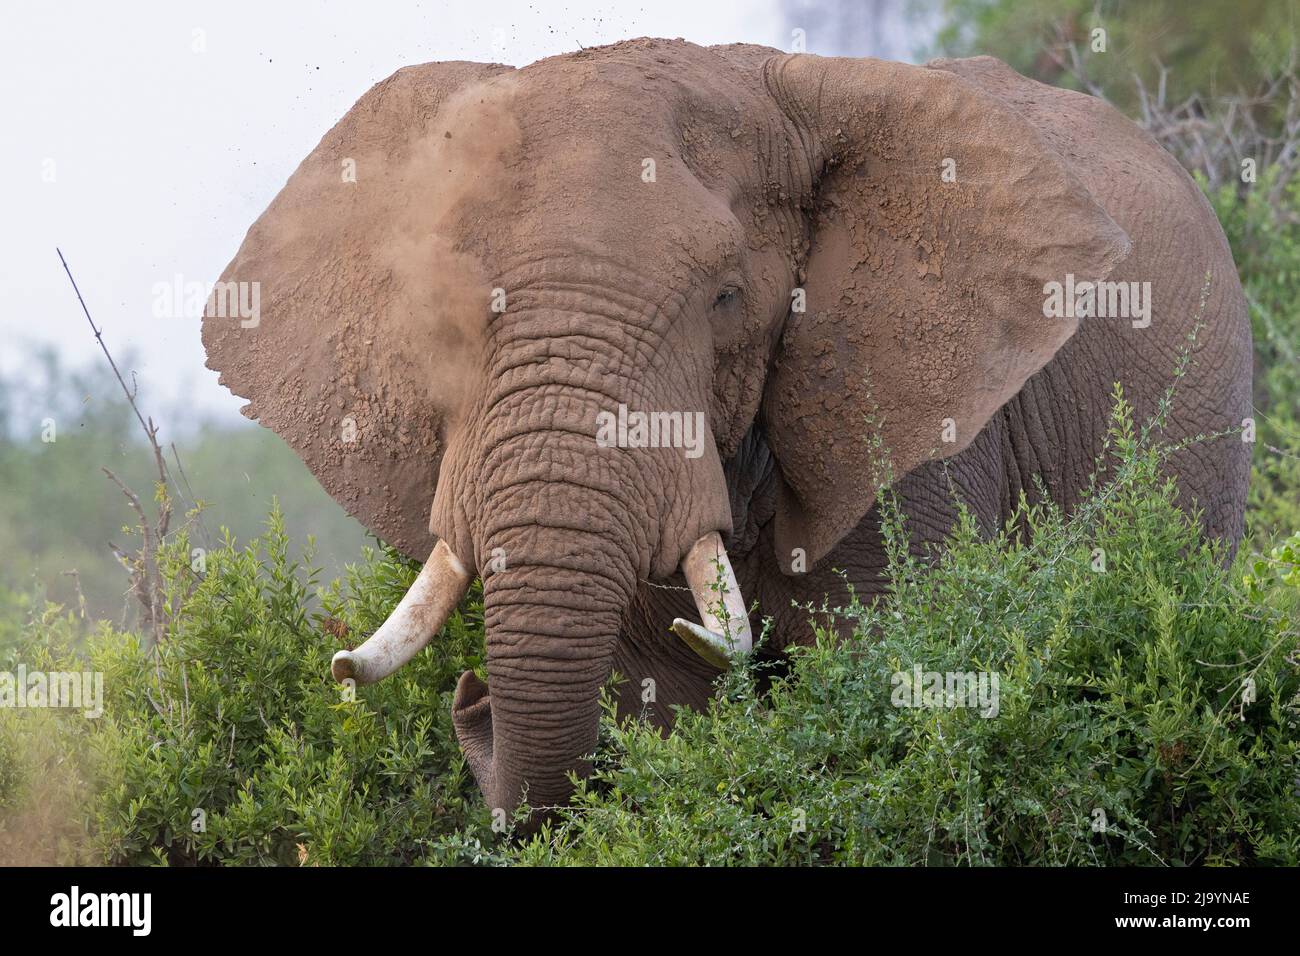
point(628, 333)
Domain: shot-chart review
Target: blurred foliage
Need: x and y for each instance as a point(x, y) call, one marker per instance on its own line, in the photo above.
point(1208, 47)
point(1266, 246)
point(59, 511)
point(1232, 67)
point(48, 758)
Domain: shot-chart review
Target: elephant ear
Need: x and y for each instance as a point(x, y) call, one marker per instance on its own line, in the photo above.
point(937, 219)
point(352, 352)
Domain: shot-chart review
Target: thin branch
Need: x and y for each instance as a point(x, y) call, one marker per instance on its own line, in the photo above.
point(144, 573)
point(194, 502)
point(150, 430)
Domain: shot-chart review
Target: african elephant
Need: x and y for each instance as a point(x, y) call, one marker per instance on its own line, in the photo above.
point(817, 265)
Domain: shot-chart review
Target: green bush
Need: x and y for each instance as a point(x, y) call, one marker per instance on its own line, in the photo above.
point(235, 746)
point(245, 724)
point(1145, 715)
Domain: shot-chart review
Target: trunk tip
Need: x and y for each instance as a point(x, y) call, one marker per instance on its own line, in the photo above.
point(470, 691)
point(344, 667)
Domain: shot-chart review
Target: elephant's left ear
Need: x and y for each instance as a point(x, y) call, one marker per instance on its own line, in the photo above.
point(938, 217)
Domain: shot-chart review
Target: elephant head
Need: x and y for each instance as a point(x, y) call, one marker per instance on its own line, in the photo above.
point(479, 265)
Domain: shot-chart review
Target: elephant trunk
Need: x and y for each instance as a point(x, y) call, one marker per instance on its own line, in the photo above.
point(563, 524)
point(552, 617)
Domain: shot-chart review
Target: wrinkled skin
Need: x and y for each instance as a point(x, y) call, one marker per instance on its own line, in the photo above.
point(430, 415)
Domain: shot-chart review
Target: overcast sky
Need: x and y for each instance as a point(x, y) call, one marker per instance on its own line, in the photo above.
point(144, 138)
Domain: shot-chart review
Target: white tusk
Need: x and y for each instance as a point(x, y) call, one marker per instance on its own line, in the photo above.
point(725, 631)
point(418, 617)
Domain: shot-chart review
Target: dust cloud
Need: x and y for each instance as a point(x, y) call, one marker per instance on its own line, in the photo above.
point(444, 292)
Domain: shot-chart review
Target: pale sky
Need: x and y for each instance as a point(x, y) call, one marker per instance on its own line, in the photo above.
point(144, 138)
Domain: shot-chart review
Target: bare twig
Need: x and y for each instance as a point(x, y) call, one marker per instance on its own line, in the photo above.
point(143, 568)
point(150, 430)
point(1209, 133)
point(1212, 135)
point(146, 580)
point(194, 501)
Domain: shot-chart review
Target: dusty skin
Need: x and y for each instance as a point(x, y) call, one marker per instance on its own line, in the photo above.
point(522, 250)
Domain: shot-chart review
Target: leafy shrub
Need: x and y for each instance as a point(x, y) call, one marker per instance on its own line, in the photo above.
point(235, 746)
point(1145, 715)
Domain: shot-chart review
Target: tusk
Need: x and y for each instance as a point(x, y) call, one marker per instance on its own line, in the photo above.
point(419, 616)
point(725, 631)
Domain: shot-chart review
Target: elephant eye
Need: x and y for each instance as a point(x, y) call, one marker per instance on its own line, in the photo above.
point(726, 296)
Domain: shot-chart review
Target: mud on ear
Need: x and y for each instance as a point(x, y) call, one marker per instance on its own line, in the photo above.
point(353, 355)
point(937, 219)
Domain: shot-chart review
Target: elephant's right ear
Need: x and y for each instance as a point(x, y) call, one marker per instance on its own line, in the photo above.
point(345, 318)
point(938, 218)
